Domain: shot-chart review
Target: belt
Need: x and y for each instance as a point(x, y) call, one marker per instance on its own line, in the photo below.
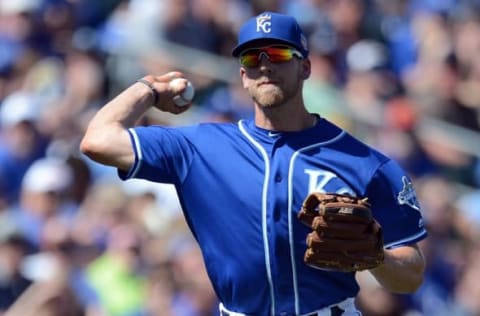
point(332, 311)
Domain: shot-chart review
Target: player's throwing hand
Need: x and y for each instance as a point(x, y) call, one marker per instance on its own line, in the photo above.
point(165, 95)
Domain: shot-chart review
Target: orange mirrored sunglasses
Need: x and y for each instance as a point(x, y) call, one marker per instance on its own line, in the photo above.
point(275, 54)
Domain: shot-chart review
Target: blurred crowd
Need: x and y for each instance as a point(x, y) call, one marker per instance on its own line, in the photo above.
point(403, 75)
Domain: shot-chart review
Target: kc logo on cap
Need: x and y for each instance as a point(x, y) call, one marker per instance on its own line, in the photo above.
point(271, 28)
point(264, 23)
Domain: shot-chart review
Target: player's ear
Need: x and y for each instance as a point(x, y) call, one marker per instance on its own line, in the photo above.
point(242, 77)
point(307, 69)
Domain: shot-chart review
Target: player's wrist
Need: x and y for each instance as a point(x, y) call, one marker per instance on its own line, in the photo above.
point(147, 84)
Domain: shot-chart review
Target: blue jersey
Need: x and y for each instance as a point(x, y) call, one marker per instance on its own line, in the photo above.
point(241, 188)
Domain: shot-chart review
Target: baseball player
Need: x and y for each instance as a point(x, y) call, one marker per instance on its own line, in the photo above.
point(243, 185)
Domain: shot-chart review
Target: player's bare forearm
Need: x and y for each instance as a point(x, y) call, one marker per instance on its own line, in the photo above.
point(402, 270)
point(106, 139)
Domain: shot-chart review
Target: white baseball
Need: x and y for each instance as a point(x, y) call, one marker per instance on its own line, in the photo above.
point(187, 95)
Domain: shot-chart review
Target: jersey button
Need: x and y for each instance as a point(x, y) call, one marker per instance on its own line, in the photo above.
point(278, 178)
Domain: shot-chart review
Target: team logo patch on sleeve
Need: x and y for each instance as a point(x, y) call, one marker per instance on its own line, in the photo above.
point(407, 195)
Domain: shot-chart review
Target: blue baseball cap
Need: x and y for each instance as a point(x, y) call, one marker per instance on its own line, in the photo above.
point(271, 26)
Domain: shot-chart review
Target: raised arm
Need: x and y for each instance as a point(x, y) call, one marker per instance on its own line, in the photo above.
point(402, 270)
point(106, 139)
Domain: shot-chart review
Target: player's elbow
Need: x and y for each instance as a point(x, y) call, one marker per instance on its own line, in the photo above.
point(91, 147)
point(411, 286)
point(417, 272)
point(108, 146)
point(406, 285)
point(403, 270)
point(411, 281)
point(418, 277)
point(96, 145)
point(416, 285)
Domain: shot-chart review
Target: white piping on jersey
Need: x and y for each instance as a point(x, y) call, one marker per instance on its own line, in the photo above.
point(264, 213)
point(291, 214)
point(138, 153)
point(405, 240)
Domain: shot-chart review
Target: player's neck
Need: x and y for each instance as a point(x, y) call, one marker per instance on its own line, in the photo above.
point(276, 119)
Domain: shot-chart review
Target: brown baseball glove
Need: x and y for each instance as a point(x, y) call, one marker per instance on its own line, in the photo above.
point(345, 235)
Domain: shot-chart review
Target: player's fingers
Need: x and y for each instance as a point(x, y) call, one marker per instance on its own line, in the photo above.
point(174, 109)
point(161, 84)
point(169, 76)
point(180, 85)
